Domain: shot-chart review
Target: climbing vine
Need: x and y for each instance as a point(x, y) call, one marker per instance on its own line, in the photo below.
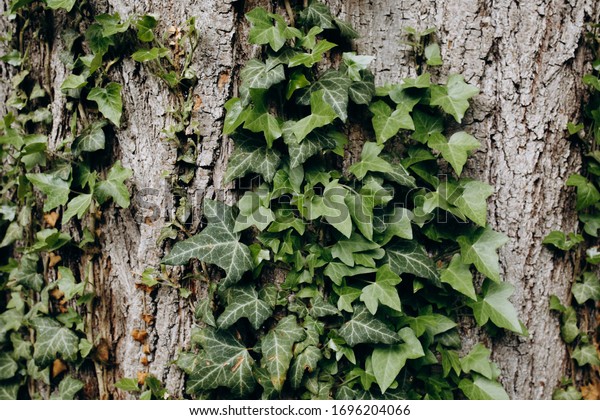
point(374, 264)
point(578, 329)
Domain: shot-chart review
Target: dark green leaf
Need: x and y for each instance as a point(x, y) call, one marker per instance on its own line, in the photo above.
point(53, 341)
point(113, 186)
point(480, 249)
point(588, 288)
point(454, 97)
point(109, 101)
point(410, 257)
point(482, 389)
point(277, 349)
point(244, 303)
point(587, 194)
point(495, 305)
point(365, 328)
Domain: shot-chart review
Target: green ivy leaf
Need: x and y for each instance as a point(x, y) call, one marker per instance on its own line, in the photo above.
point(254, 211)
point(244, 303)
point(387, 123)
point(315, 142)
point(321, 114)
point(454, 97)
point(263, 31)
point(8, 367)
point(128, 384)
point(317, 14)
point(9, 391)
point(456, 150)
point(588, 288)
point(248, 157)
point(260, 120)
point(113, 186)
point(145, 28)
point(334, 86)
point(383, 291)
point(561, 241)
point(109, 101)
point(365, 328)
point(432, 324)
point(427, 126)
point(361, 92)
point(568, 325)
point(143, 55)
point(411, 257)
point(473, 200)
point(433, 55)
point(296, 81)
point(67, 285)
point(337, 271)
point(494, 305)
point(53, 341)
point(459, 277)
point(587, 194)
point(481, 388)
point(111, 24)
point(77, 206)
point(61, 4)
point(586, 354)
point(224, 362)
point(370, 161)
point(74, 82)
point(69, 387)
point(56, 189)
point(259, 75)
point(316, 55)
point(478, 360)
point(480, 249)
point(346, 30)
point(216, 244)
point(277, 349)
point(571, 393)
point(91, 138)
point(305, 361)
point(388, 361)
point(346, 250)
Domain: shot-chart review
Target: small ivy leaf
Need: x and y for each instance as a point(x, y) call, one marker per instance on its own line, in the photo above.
point(8, 367)
point(127, 384)
point(587, 194)
point(91, 139)
point(14, 232)
point(355, 64)
point(56, 189)
point(398, 223)
point(263, 31)
point(224, 362)
point(236, 115)
point(321, 114)
point(433, 55)
point(365, 328)
point(109, 101)
point(556, 305)
point(111, 24)
point(317, 14)
point(387, 123)
point(297, 81)
point(568, 325)
point(315, 56)
point(481, 249)
point(53, 341)
point(50, 240)
point(305, 361)
point(9, 391)
point(145, 26)
point(473, 200)
point(277, 349)
point(254, 211)
point(74, 82)
point(69, 387)
point(561, 241)
point(478, 360)
point(244, 303)
point(346, 250)
point(361, 92)
point(216, 244)
point(410, 257)
point(113, 186)
point(456, 150)
point(59, 4)
point(334, 86)
point(320, 308)
point(337, 271)
point(388, 361)
point(98, 43)
point(494, 305)
point(591, 80)
point(586, 354)
point(204, 312)
point(260, 120)
point(433, 324)
point(250, 157)
point(258, 75)
point(591, 223)
point(587, 289)
point(571, 393)
point(315, 142)
point(370, 161)
point(454, 97)
point(67, 285)
point(450, 361)
point(427, 126)
point(346, 30)
point(144, 55)
point(459, 277)
point(383, 291)
point(481, 388)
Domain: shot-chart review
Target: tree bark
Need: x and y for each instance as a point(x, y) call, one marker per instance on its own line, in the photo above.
point(526, 57)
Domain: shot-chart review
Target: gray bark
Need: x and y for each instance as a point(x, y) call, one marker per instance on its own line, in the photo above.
point(526, 57)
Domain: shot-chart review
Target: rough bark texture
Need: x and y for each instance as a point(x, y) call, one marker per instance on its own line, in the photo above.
point(526, 57)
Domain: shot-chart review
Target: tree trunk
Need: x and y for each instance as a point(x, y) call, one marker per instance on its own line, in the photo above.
point(526, 57)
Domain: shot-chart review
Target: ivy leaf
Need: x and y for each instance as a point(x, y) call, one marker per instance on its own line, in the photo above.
point(432, 324)
point(481, 388)
point(382, 291)
point(346, 250)
point(305, 361)
point(91, 139)
point(586, 354)
point(216, 244)
point(297, 81)
point(258, 75)
point(67, 285)
point(260, 120)
point(346, 30)
point(587, 194)
point(387, 123)
point(113, 186)
point(316, 55)
point(321, 114)
point(248, 157)
point(355, 64)
point(427, 126)
point(263, 31)
point(127, 384)
point(74, 82)
point(478, 360)
point(9, 391)
point(225, 362)
point(410, 257)
point(456, 150)
point(480, 249)
point(361, 92)
point(277, 349)
point(109, 101)
point(398, 223)
point(236, 115)
point(365, 328)
point(61, 4)
point(334, 86)
point(145, 26)
point(459, 277)
point(495, 305)
point(244, 303)
point(370, 161)
point(454, 97)
point(69, 387)
point(315, 142)
point(473, 200)
point(55, 189)
point(111, 24)
point(53, 341)
point(143, 55)
point(388, 361)
point(317, 14)
point(433, 55)
point(254, 211)
point(561, 241)
point(337, 271)
point(8, 367)
point(571, 393)
point(587, 289)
